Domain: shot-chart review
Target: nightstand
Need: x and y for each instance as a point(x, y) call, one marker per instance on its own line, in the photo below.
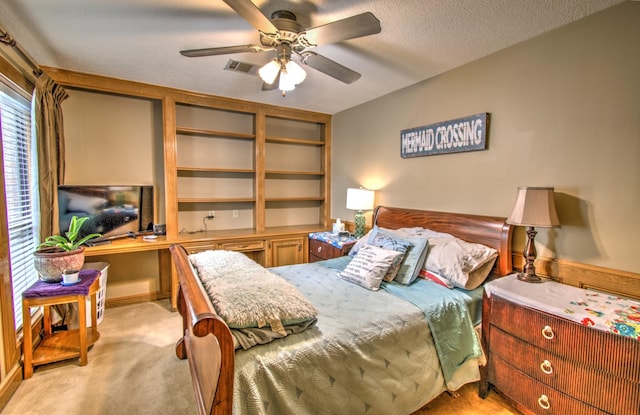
point(558, 349)
point(64, 344)
point(327, 245)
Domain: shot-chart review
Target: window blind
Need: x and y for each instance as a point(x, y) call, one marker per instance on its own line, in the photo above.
point(19, 182)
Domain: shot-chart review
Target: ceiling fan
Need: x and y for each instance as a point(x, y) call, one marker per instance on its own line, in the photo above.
point(286, 36)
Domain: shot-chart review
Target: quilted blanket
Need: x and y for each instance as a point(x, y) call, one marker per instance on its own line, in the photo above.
point(256, 304)
point(448, 319)
point(369, 353)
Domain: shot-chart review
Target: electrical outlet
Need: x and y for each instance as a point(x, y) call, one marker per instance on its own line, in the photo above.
point(212, 213)
point(235, 214)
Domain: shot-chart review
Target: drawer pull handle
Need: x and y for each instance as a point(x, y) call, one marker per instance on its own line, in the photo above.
point(547, 333)
point(546, 367)
point(543, 401)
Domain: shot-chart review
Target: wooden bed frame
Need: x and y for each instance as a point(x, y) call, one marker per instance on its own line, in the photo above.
point(207, 341)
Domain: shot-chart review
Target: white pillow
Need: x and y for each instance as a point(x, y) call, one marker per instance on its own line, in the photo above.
point(458, 261)
point(369, 266)
point(422, 232)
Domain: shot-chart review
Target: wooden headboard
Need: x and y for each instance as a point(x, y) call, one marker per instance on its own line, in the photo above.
point(487, 230)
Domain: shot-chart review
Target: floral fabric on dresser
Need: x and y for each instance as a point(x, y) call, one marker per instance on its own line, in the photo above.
point(596, 309)
point(332, 238)
point(615, 314)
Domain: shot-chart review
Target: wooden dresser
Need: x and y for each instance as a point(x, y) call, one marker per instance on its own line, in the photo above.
point(547, 364)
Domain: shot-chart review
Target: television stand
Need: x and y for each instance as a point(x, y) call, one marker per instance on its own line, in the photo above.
point(97, 241)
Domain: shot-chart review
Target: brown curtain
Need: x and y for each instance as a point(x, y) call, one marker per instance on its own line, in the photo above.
point(50, 142)
point(50, 138)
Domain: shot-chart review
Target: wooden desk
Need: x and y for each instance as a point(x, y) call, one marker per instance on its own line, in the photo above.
point(134, 245)
point(65, 344)
point(219, 239)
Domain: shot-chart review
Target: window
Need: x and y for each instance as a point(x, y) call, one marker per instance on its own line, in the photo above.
point(20, 166)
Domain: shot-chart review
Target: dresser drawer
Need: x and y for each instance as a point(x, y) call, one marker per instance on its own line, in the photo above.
point(193, 248)
point(593, 387)
point(535, 396)
point(322, 250)
point(254, 245)
point(613, 354)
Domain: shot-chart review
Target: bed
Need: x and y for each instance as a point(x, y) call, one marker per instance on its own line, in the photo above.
point(351, 360)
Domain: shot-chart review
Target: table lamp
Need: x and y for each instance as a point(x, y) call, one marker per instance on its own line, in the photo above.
point(534, 207)
point(359, 200)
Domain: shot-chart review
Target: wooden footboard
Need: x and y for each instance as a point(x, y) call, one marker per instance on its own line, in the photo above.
point(206, 341)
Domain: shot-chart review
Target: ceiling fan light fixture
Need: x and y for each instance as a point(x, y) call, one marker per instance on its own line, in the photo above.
point(286, 36)
point(286, 82)
point(269, 72)
point(295, 72)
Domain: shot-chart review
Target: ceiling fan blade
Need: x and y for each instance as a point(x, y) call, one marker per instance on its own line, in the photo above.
point(252, 14)
point(329, 67)
point(196, 53)
point(364, 24)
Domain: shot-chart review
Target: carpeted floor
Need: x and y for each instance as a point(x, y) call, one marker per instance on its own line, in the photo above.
point(133, 369)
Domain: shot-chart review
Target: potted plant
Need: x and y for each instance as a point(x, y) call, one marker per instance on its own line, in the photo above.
point(59, 253)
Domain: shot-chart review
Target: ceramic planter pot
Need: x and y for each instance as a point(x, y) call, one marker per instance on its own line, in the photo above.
point(51, 262)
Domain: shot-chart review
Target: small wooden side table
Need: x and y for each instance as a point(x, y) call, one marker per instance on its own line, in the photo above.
point(64, 344)
point(327, 245)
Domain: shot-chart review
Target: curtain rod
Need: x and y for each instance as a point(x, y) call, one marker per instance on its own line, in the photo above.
point(8, 40)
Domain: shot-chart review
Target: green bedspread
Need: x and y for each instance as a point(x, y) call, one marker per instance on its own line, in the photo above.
point(369, 353)
point(448, 318)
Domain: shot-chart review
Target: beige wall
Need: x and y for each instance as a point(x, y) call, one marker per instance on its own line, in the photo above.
point(114, 140)
point(117, 140)
point(565, 112)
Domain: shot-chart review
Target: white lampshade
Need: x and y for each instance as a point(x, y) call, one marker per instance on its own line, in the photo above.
point(295, 72)
point(534, 207)
point(269, 72)
point(286, 83)
point(360, 199)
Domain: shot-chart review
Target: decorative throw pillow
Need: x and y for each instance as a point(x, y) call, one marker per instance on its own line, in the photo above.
point(360, 243)
point(387, 241)
point(369, 266)
point(463, 263)
point(414, 257)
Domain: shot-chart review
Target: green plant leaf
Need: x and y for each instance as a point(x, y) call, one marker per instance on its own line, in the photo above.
point(68, 242)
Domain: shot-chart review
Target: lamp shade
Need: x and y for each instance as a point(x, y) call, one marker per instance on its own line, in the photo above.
point(286, 82)
point(269, 72)
point(295, 72)
point(360, 199)
point(534, 207)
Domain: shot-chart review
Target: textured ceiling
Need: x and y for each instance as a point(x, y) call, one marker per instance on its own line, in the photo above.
point(140, 40)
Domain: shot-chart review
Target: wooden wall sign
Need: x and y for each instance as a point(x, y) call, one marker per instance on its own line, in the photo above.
point(453, 136)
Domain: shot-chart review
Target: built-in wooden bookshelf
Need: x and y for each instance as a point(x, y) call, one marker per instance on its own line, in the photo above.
point(267, 165)
point(255, 169)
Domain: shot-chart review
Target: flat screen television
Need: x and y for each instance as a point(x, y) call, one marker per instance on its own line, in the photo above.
point(112, 210)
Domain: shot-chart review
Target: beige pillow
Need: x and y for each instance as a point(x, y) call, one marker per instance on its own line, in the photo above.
point(369, 266)
point(465, 264)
